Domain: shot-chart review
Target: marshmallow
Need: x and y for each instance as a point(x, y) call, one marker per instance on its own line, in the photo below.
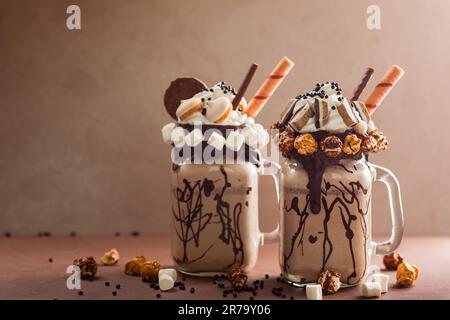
point(167, 278)
point(166, 132)
point(251, 136)
point(263, 138)
point(177, 137)
point(371, 289)
point(313, 292)
point(216, 140)
point(169, 271)
point(165, 282)
point(194, 137)
point(383, 280)
point(219, 110)
point(235, 140)
point(258, 127)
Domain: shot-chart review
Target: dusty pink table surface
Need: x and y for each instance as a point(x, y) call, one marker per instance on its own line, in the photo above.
point(27, 272)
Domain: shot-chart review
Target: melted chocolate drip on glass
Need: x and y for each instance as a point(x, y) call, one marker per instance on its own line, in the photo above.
point(347, 195)
point(192, 220)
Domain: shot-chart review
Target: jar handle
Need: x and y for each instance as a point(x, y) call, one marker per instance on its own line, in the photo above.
point(271, 168)
point(395, 203)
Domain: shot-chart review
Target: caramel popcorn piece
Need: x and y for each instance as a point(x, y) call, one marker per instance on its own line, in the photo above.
point(352, 144)
point(88, 267)
point(331, 146)
point(381, 141)
point(330, 281)
point(150, 270)
point(110, 257)
point(392, 260)
point(286, 141)
point(237, 277)
point(368, 143)
point(133, 267)
point(305, 144)
point(407, 274)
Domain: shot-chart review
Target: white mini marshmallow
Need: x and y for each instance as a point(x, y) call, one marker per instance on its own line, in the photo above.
point(216, 140)
point(258, 127)
point(194, 137)
point(235, 140)
point(313, 292)
point(371, 289)
point(166, 132)
point(177, 137)
point(383, 280)
point(169, 271)
point(251, 137)
point(165, 282)
point(263, 138)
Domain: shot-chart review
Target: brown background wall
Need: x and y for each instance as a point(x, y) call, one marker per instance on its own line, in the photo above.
point(81, 111)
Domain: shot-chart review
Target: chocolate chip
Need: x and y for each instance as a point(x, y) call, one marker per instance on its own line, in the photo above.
point(158, 295)
point(107, 283)
point(184, 279)
point(251, 298)
point(50, 260)
point(135, 233)
point(267, 276)
point(118, 286)
point(292, 297)
point(73, 234)
point(235, 295)
point(8, 234)
point(114, 293)
point(192, 290)
point(80, 293)
point(224, 295)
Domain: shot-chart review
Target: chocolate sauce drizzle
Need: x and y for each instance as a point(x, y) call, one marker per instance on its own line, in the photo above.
point(347, 195)
point(192, 220)
point(316, 164)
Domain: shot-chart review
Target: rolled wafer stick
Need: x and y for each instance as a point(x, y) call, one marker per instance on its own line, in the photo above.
point(268, 87)
point(383, 87)
point(362, 85)
point(244, 85)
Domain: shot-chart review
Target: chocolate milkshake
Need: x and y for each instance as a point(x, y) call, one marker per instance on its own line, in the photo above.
point(326, 187)
point(216, 162)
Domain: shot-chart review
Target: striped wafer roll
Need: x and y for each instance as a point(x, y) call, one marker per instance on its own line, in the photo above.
point(268, 87)
point(382, 89)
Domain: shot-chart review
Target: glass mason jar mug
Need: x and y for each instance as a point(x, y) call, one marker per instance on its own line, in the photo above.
point(334, 233)
point(215, 223)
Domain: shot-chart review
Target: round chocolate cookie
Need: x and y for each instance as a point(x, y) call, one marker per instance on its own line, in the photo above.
point(180, 89)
